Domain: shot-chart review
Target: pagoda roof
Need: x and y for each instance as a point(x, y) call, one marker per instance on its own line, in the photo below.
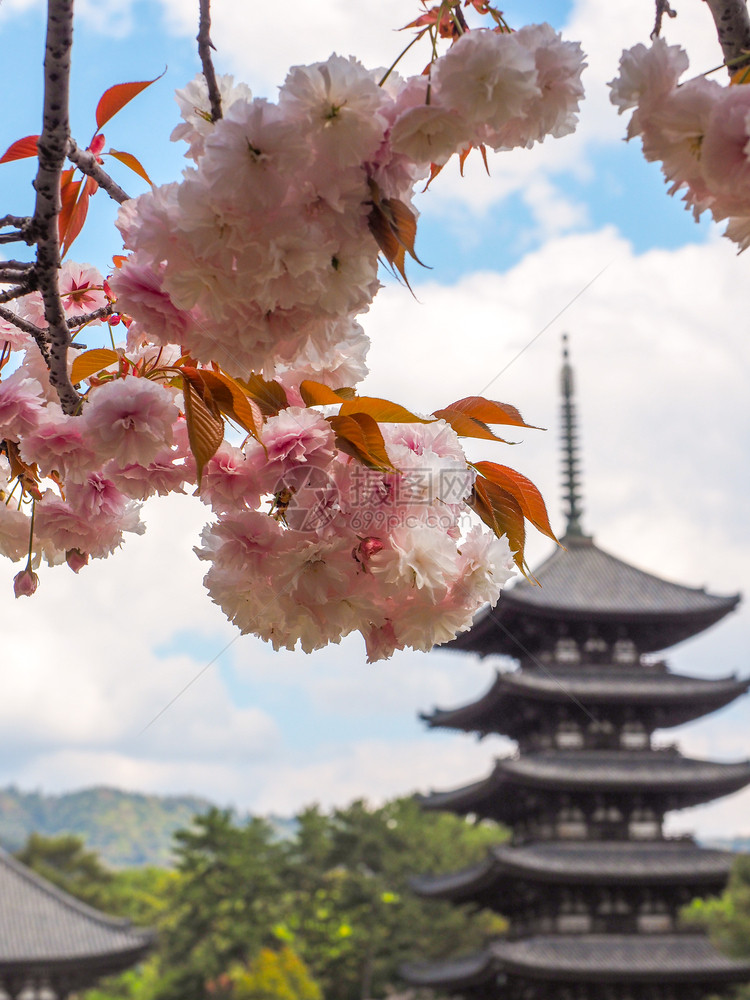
point(597, 958)
point(595, 863)
point(649, 772)
point(43, 929)
point(583, 583)
point(683, 697)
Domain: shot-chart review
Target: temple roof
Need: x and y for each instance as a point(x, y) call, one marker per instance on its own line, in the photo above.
point(682, 698)
point(595, 863)
point(42, 927)
point(584, 584)
point(653, 773)
point(597, 958)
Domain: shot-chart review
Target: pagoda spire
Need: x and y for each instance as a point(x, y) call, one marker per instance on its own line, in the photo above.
point(572, 495)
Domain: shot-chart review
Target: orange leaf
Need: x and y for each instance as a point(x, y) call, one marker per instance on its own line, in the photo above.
point(131, 161)
point(359, 435)
point(20, 149)
point(91, 362)
point(382, 410)
point(78, 215)
point(69, 191)
point(741, 76)
point(528, 496)
point(204, 424)
point(115, 98)
point(500, 510)
point(466, 426)
point(268, 394)
point(489, 411)
point(224, 395)
point(318, 394)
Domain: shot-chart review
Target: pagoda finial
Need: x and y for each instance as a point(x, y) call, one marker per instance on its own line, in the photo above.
point(571, 462)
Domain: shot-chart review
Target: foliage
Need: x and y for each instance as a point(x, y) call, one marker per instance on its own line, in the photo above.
point(326, 912)
point(270, 975)
point(124, 828)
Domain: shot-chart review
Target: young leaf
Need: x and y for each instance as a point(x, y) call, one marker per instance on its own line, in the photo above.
point(466, 426)
point(78, 215)
point(91, 362)
point(318, 394)
point(115, 98)
point(268, 394)
point(500, 510)
point(204, 424)
point(226, 397)
point(359, 435)
point(382, 410)
point(131, 161)
point(523, 490)
point(69, 191)
point(20, 149)
point(489, 411)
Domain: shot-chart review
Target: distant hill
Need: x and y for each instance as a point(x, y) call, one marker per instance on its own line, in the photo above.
point(126, 828)
point(739, 844)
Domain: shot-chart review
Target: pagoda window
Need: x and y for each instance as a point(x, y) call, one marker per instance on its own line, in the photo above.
point(644, 825)
point(571, 823)
point(569, 736)
point(624, 652)
point(595, 648)
point(634, 736)
point(567, 651)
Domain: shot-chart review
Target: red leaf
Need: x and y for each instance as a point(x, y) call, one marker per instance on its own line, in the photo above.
point(115, 99)
point(500, 510)
point(69, 191)
point(489, 411)
point(20, 149)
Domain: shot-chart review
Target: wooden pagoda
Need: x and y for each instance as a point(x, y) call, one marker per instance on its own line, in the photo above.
point(51, 943)
point(590, 883)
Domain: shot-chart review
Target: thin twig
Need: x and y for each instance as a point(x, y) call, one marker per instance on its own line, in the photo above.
point(75, 322)
point(204, 51)
point(17, 292)
point(662, 9)
point(17, 265)
point(733, 27)
point(39, 335)
point(52, 148)
point(19, 221)
point(18, 237)
point(87, 162)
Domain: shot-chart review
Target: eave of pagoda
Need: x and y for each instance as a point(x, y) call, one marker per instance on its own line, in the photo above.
point(503, 709)
point(582, 589)
point(584, 958)
point(660, 775)
point(662, 863)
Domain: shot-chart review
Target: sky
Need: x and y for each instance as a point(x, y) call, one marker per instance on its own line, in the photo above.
point(129, 676)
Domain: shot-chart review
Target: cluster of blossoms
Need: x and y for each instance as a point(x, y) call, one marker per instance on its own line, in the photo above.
point(698, 130)
point(243, 283)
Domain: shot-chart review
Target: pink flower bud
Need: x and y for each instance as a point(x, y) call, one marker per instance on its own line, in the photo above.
point(76, 559)
point(25, 583)
point(367, 548)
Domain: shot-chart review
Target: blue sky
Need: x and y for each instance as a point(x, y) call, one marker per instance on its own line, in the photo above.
point(662, 362)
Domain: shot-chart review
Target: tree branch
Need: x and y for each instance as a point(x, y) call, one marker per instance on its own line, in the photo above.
point(53, 147)
point(733, 27)
point(204, 51)
point(86, 162)
point(33, 331)
point(102, 313)
point(14, 293)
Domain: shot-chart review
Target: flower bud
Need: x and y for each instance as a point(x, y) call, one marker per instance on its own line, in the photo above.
point(76, 559)
point(25, 583)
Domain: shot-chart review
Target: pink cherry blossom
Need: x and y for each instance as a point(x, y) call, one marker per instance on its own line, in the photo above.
point(129, 420)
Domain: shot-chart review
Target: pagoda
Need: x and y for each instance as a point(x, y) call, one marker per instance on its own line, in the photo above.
point(590, 883)
point(52, 944)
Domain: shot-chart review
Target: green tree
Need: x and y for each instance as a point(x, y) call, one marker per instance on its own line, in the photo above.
point(64, 861)
point(727, 918)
